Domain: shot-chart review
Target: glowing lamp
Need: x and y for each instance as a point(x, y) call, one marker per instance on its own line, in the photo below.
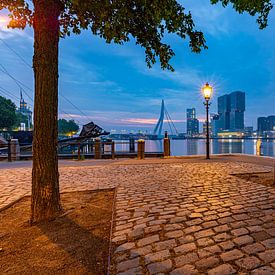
point(207, 91)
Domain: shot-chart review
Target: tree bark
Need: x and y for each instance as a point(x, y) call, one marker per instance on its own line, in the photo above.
point(45, 201)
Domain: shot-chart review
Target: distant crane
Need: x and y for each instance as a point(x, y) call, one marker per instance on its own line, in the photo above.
point(159, 125)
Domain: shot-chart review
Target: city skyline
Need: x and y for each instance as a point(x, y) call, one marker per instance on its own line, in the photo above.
point(114, 88)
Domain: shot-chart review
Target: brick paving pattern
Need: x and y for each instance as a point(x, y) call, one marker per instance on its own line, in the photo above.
point(177, 218)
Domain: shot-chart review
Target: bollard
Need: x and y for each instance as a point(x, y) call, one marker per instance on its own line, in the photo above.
point(9, 150)
point(166, 147)
point(258, 147)
point(113, 150)
point(15, 149)
point(78, 152)
point(132, 145)
point(141, 149)
point(97, 149)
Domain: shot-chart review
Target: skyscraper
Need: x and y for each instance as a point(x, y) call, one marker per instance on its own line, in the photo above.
point(265, 124)
point(262, 125)
point(224, 112)
point(231, 109)
point(192, 122)
point(237, 108)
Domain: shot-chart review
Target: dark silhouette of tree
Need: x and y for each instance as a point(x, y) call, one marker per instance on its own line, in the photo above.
point(7, 113)
point(118, 21)
point(67, 127)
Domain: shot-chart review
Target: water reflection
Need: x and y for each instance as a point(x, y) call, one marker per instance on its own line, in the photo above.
point(217, 146)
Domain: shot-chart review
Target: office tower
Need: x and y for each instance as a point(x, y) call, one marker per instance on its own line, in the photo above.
point(237, 108)
point(271, 123)
point(262, 125)
point(265, 124)
point(224, 111)
point(192, 122)
point(231, 109)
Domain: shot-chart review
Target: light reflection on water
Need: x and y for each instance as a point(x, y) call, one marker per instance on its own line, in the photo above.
point(197, 147)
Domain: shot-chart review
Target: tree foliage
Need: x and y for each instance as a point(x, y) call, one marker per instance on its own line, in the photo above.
point(146, 21)
point(67, 127)
point(7, 113)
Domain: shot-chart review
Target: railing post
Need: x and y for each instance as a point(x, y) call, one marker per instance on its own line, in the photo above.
point(166, 146)
point(14, 149)
point(141, 149)
point(9, 150)
point(113, 150)
point(97, 149)
point(78, 151)
point(132, 145)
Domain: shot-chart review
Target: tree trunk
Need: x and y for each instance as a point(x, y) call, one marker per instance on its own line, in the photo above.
point(45, 201)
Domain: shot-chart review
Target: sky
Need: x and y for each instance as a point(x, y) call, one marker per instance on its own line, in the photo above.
point(112, 86)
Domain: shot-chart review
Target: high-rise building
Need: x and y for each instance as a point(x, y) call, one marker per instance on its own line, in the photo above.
point(237, 108)
point(224, 112)
point(231, 109)
point(262, 125)
point(271, 123)
point(265, 124)
point(192, 122)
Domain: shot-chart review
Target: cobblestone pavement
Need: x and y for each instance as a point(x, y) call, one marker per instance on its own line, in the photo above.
point(193, 219)
point(177, 218)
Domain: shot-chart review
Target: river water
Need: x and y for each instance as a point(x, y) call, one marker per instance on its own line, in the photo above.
point(187, 147)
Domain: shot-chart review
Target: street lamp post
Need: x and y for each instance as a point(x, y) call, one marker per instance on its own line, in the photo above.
point(207, 92)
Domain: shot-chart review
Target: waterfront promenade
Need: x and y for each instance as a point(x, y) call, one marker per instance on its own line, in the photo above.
point(178, 215)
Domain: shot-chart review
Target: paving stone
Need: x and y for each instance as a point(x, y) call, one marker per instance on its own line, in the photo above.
point(186, 259)
point(253, 248)
point(157, 256)
point(209, 224)
point(174, 234)
point(185, 270)
point(267, 256)
point(221, 228)
point(207, 263)
point(152, 229)
point(231, 255)
point(248, 263)
point(204, 233)
point(205, 242)
point(136, 271)
point(239, 232)
point(260, 236)
point(224, 269)
point(186, 239)
point(245, 239)
point(140, 251)
point(148, 240)
point(228, 245)
point(125, 265)
point(163, 266)
point(265, 270)
point(270, 243)
point(165, 245)
point(221, 237)
point(171, 227)
point(124, 247)
point(185, 248)
point(192, 229)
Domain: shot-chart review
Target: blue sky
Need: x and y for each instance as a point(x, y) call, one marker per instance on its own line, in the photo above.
point(113, 87)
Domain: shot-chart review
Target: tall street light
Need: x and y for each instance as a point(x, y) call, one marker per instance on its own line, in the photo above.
point(207, 93)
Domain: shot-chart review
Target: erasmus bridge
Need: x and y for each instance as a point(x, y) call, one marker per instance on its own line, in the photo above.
point(164, 117)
